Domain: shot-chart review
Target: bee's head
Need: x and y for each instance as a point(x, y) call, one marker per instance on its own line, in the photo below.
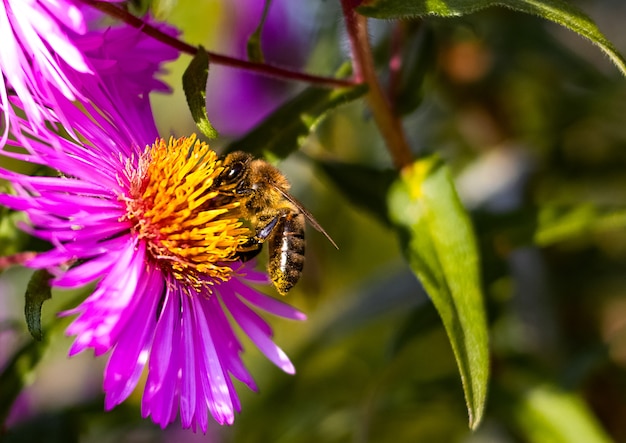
point(235, 173)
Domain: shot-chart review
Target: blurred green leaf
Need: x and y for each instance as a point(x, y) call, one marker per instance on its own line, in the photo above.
point(37, 292)
point(286, 128)
point(253, 46)
point(439, 242)
point(547, 413)
point(364, 186)
point(419, 58)
point(556, 224)
point(140, 7)
point(194, 84)
point(161, 9)
point(550, 224)
point(12, 239)
point(558, 11)
point(423, 319)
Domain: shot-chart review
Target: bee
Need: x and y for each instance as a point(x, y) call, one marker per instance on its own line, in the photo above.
point(274, 215)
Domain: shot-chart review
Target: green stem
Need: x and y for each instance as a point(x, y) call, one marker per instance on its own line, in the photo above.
point(363, 65)
point(259, 68)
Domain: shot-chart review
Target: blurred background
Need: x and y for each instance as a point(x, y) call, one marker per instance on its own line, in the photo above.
point(532, 120)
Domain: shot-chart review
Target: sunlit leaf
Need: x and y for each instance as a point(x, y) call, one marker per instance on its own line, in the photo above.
point(558, 11)
point(440, 245)
point(37, 292)
point(194, 84)
point(286, 128)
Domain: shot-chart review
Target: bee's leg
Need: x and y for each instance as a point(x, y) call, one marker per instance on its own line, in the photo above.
point(252, 247)
point(266, 230)
point(249, 249)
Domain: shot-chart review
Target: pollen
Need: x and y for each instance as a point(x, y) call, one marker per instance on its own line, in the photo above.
point(192, 231)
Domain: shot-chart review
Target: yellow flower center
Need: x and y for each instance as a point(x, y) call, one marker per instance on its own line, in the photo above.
point(192, 231)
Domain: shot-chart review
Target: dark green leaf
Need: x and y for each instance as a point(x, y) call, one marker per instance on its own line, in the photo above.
point(253, 47)
point(423, 319)
point(441, 248)
point(194, 84)
point(37, 292)
point(364, 186)
point(558, 11)
point(139, 7)
point(286, 128)
point(418, 60)
point(52, 427)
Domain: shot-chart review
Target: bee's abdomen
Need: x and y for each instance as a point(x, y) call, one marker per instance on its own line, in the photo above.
point(286, 248)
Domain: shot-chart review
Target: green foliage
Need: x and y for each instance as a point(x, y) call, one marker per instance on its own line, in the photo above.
point(37, 292)
point(284, 131)
point(547, 412)
point(521, 292)
point(194, 84)
point(558, 11)
point(439, 243)
point(161, 9)
point(253, 47)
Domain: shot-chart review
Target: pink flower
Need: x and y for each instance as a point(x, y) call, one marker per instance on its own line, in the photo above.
point(49, 50)
point(36, 50)
point(145, 219)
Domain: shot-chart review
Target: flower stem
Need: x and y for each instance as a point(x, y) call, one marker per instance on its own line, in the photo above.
point(363, 65)
point(220, 59)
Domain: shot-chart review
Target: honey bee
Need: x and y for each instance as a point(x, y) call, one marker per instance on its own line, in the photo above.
point(275, 216)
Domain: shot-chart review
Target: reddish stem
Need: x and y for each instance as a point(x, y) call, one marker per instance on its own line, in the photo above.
point(259, 68)
point(17, 259)
point(363, 65)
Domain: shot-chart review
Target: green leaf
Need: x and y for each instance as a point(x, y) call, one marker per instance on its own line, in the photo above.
point(440, 245)
point(288, 127)
point(162, 9)
point(139, 7)
point(555, 224)
point(558, 11)
point(550, 224)
point(37, 292)
point(546, 413)
point(253, 47)
point(419, 59)
point(364, 186)
point(194, 84)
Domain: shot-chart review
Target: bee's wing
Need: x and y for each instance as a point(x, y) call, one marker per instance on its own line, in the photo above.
point(306, 214)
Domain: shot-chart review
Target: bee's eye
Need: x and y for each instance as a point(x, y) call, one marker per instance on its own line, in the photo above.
point(232, 173)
